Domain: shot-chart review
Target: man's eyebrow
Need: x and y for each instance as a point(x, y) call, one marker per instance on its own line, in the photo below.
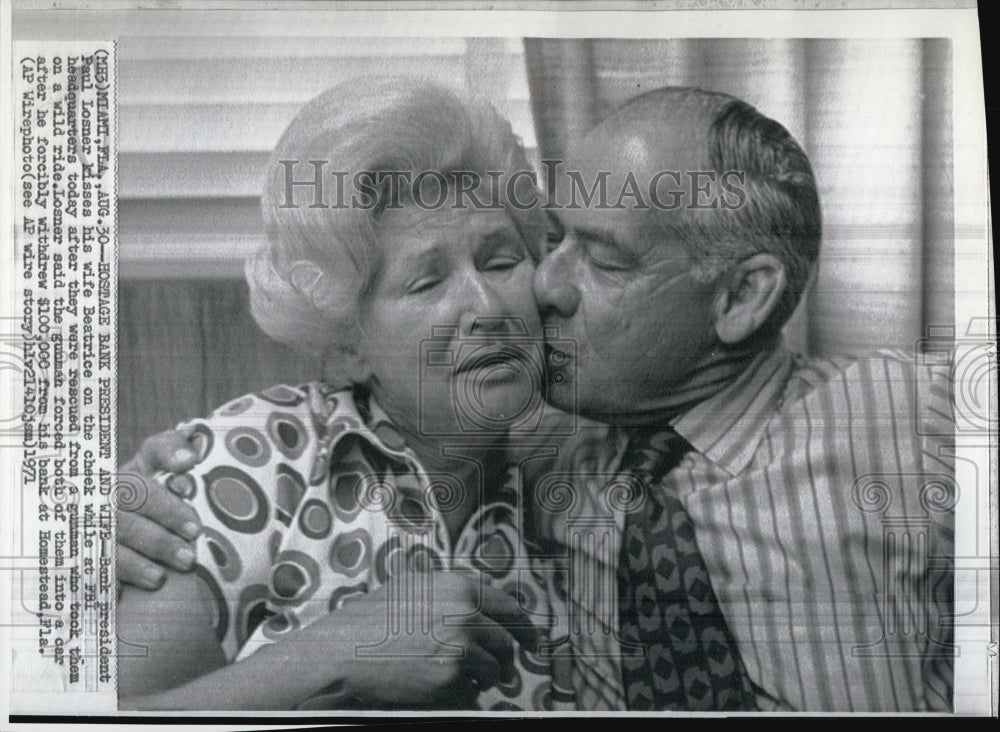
point(596, 235)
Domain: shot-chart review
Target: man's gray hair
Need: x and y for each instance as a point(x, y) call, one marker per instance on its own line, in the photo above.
point(781, 213)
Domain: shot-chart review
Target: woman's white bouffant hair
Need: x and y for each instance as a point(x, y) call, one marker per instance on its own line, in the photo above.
point(308, 280)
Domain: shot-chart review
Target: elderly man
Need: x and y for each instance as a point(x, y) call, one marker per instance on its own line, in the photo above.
point(780, 547)
point(755, 460)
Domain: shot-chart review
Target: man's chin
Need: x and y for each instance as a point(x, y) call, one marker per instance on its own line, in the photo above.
point(562, 395)
point(596, 404)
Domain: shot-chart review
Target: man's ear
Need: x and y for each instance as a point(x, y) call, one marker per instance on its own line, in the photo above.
point(748, 296)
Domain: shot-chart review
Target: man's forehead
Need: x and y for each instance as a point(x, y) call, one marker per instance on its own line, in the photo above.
point(642, 147)
point(633, 156)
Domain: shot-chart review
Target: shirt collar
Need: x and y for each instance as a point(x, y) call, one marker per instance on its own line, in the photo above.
point(728, 427)
point(341, 412)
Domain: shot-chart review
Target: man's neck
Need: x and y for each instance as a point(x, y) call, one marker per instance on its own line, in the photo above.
point(711, 373)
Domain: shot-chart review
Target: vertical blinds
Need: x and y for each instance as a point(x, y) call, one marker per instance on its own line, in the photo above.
point(199, 115)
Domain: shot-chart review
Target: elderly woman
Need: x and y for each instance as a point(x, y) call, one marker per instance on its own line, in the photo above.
point(361, 542)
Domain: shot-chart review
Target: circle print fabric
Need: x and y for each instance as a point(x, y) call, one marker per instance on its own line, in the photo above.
point(308, 503)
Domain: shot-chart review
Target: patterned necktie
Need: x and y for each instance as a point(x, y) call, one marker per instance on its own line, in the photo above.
point(678, 653)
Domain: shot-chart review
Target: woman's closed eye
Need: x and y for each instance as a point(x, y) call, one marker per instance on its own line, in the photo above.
point(500, 253)
point(503, 261)
point(424, 283)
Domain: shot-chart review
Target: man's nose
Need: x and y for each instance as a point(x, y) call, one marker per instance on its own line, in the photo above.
point(555, 289)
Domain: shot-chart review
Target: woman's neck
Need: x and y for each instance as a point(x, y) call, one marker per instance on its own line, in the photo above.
point(474, 467)
point(474, 472)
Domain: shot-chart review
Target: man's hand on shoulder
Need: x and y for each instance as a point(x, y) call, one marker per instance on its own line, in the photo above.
point(156, 528)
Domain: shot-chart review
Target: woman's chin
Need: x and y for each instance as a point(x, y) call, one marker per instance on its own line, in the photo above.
point(501, 401)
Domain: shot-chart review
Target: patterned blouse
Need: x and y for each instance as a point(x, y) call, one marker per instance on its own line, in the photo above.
point(308, 496)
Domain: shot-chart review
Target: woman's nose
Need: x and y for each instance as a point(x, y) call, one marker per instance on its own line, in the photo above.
point(555, 289)
point(486, 311)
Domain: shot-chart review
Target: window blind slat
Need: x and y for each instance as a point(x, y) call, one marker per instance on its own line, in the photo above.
point(202, 127)
point(154, 175)
point(180, 175)
point(138, 48)
point(188, 238)
point(269, 80)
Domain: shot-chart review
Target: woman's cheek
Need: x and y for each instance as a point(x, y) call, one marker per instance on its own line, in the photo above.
point(524, 297)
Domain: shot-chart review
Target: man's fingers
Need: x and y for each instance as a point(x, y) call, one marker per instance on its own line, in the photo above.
point(490, 602)
point(507, 611)
point(481, 666)
point(134, 569)
point(488, 635)
point(169, 451)
point(153, 541)
point(159, 504)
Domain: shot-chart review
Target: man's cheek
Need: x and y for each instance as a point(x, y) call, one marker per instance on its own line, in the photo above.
point(609, 323)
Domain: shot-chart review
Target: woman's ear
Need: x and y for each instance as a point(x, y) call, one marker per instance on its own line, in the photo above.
point(754, 288)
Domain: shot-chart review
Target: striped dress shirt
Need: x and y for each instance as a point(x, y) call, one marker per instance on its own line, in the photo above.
point(822, 496)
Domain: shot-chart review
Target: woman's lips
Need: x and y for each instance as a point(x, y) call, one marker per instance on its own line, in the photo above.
point(501, 357)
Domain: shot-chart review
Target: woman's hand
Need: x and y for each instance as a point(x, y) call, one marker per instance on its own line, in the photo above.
point(422, 640)
point(155, 527)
